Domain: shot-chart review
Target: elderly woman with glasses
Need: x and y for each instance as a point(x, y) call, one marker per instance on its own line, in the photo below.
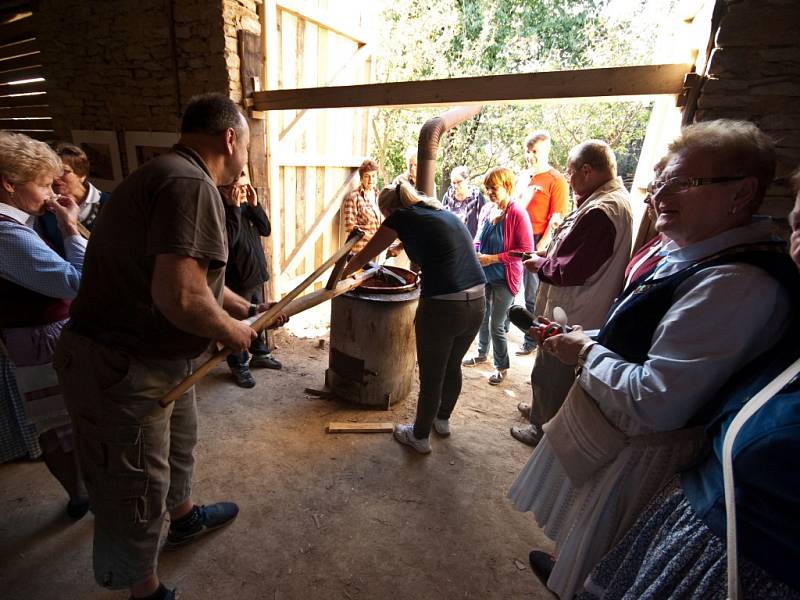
point(73, 181)
point(463, 200)
point(36, 287)
point(718, 299)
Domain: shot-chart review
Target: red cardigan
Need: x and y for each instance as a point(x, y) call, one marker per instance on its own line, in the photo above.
point(517, 236)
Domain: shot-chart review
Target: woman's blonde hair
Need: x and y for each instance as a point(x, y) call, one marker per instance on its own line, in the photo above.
point(402, 195)
point(499, 176)
point(23, 159)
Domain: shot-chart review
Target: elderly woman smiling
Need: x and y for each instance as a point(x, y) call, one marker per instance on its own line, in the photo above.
point(36, 285)
point(676, 334)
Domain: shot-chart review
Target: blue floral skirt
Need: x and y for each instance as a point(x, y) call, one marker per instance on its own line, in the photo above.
point(670, 553)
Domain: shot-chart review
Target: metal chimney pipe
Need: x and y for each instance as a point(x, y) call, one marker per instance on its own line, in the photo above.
point(428, 145)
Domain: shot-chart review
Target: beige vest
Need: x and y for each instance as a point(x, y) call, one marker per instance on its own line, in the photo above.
point(587, 304)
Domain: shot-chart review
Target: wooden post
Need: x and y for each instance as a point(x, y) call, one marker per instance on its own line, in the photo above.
point(269, 81)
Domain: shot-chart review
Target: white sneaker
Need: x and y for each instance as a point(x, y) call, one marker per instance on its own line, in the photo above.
point(442, 427)
point(405, 435)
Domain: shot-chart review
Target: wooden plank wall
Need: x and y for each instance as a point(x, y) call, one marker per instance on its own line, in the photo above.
point(315, 166)
point(23, 106)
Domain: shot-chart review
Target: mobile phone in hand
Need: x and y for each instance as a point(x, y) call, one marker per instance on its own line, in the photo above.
point(522, 255)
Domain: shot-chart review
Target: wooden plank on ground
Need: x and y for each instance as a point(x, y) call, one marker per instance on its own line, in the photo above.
point(642, 80)
point(334, 427)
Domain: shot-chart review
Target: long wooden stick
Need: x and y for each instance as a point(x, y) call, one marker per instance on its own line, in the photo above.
point(266, 319)
point(312, 299)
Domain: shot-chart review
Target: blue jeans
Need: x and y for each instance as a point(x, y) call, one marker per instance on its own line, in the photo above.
point(258, 345)
point(498, 301)
point(531, 283)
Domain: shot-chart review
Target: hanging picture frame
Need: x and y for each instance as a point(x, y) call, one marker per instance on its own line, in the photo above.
point(141, 146)
point(102, 150)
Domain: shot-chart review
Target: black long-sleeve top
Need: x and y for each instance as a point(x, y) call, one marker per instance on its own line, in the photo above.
point(247, 266)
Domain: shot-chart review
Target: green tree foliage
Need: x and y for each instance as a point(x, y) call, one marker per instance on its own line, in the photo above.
point(459, 38)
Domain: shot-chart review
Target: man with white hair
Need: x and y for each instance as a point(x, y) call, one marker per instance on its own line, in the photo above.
point(582, 271)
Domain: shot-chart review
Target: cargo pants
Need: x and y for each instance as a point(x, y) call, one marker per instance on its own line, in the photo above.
point(137, 457)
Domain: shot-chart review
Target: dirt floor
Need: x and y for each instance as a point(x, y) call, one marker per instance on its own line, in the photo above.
point(347, 516)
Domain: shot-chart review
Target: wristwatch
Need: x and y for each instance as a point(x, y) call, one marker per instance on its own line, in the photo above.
point(584, 351)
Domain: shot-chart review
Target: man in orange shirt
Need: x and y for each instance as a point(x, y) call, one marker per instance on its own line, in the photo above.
point(544, 193)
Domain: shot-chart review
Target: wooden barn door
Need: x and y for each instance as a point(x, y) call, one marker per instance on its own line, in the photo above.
point(312, 155)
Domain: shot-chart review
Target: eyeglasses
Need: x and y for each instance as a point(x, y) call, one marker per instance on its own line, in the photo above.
point(457, 181)
point(678, 185)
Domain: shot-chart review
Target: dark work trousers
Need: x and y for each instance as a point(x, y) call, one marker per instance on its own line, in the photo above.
point(445, 330)
point(550, 382)
point(259, 345)
point(530, 283)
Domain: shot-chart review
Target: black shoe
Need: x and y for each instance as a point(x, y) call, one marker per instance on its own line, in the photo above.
point(527, 435)
point(264, 361)
point(202, 519)
point(541, 564)
point(77, 510)
point(243, 377)
point(168, 594)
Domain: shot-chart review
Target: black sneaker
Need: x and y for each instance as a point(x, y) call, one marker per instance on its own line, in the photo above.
point(77, 510)
point(202, 520)
point(243, 377)
point(264, 361)
point(168, 595)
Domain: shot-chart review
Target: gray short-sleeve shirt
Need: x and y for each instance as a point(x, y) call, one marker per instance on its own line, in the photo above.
point(168, 206)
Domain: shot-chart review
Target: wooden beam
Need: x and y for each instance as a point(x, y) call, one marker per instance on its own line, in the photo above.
point(32, 72)
point(645, 80)
point(301, 119)
point(20, 124)
point(18, 49)
point(322, 222)
point(291, 159)
point(43, 135)
point(269, 50)
point(27, 100)
point(26, 111)
point(17, 31)
point(334, 427)
point(21, 62)
point(323, 19)
point(22, 88)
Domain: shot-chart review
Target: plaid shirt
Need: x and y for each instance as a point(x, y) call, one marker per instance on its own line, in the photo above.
point(360, 213)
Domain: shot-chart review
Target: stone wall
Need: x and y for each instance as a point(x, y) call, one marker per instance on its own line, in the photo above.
point(756, 76)
point(131, 65)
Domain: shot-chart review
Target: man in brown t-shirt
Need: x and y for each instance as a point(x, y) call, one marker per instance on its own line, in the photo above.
point(152, 297)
